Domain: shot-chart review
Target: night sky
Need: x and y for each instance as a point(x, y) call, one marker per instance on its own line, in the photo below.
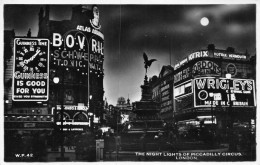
point(158, 30)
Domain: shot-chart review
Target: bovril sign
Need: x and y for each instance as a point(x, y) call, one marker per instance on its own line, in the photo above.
point(81, 47)
point(206, 67)
point(76, 49)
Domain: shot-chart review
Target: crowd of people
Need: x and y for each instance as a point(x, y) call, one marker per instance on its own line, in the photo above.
point(35, 145)
point(25, 146)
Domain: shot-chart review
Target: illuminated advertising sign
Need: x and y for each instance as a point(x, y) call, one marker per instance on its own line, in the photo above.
point(207, 119)
point(241, 92)
point(124, 118)
point(232, 69)
point(80, 48)
point(178, 65)
point(230, 55)
point(31, 69)
point(216, 54)
point(195, 55)
point(76, 50)
point(182, 75)
point(73, 107)
point(183, 89)
point(198, 54)
point(206, 67)
point(72, 121)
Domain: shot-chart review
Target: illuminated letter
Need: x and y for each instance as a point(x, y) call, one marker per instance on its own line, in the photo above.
point(222, 84)
point(201, 83)
point(94, 45)
point(236, 85)
point(249, 85)
point(205, 53)
point(56, 39)
point(56, 53)
point(79, 55)
point(70, 37)
point(63, 54)
point(71, 54)
point(81, 43)
point(211, 83)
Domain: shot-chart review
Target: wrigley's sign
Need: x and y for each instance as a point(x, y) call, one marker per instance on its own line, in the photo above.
point(233, 92)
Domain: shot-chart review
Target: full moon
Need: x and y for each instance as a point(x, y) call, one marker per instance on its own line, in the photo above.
point(204, 21)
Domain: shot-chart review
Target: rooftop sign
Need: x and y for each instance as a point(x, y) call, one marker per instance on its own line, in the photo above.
point(215, 54)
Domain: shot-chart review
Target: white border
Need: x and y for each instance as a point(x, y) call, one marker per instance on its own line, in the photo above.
point(120, 2)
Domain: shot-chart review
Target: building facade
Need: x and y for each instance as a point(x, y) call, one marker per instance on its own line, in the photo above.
point(125, 110)
point(163, 92)
point(196, 92)
point(21, 117)
point(203, 94)
point(75, 56)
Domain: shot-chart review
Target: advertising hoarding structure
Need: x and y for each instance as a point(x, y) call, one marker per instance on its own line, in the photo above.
point(166, 98)
point(183, 96)
point(31, 69)
point(80, 50)
point(241, 92)
point(183, 89)
point(211, 53)
point(207, 63)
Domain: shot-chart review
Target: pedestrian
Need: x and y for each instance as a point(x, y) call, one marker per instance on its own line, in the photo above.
point(27, 144)
point(171, 140)
point(158, 138)
point(170, 136)
point(99, 134)
point(109, 145)
point(39, 146)
point(18, 143)
point(89, 146)
point(118, 144)
point(143, 142)
point(43, 146)
point(79, 149)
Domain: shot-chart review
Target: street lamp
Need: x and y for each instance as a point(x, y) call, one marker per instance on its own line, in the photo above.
point(56, 80)
point(91, 120)
point(231, 141)
point(211, 95)
point(91, 114)
point(228, 76)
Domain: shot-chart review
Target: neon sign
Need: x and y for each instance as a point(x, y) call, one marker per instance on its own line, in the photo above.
point(31, 69)
point(206, 67)
point(240, 91)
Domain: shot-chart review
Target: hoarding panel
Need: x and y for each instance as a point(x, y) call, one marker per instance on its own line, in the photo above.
point(183, 89)
point(206, 67)
point(31, 69)
point(241, 92)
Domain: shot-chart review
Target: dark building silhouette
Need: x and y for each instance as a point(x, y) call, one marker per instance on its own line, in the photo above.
point(205, 100)
point(79, 82)
point(81, 86)
point(162, 92)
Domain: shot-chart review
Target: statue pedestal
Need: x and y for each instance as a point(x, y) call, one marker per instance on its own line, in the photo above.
point(147, 118)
